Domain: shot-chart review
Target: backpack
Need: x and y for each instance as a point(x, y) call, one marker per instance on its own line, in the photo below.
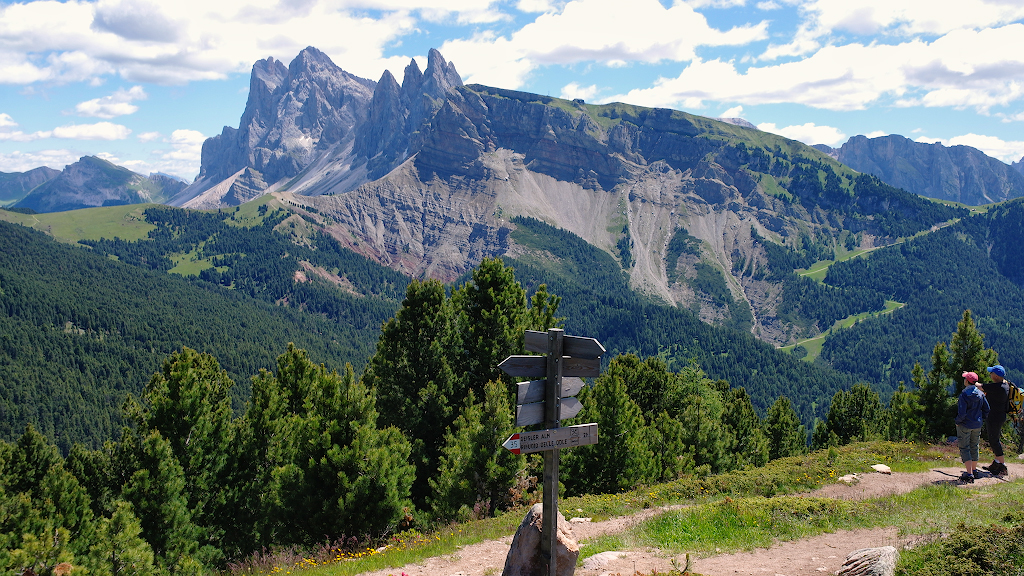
point(1015, 404)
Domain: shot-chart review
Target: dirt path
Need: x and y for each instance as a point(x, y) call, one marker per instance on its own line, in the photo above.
point(815, 556)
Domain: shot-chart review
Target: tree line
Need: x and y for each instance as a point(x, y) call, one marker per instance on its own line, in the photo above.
point(320, 455)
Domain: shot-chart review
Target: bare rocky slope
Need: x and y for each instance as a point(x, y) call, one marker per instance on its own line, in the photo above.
point(425, 176)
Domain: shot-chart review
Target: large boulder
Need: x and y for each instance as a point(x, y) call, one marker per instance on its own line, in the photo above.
point(870, 562)
point(525, 558)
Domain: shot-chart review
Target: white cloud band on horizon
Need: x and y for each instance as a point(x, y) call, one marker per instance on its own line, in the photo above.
point(1006, 150)
point(808, 133)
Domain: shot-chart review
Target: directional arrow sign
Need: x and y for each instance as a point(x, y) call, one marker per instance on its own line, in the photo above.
point(533, 391)
point(526, 366)
point(536, 366)
point(530, 414)
point(575, 346)
point(553, 439)
point(581, 367)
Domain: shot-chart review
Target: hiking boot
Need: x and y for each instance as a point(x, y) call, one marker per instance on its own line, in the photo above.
point(977, 474)
point(966, 478)
point(998, 469)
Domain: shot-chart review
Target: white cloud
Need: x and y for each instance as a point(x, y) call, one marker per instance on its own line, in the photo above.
point(965, 68)
point(534, 6)
point(25, 161)
point(734, 112)
point(716, 3)
point(117, 104)
point(149, 137)
point(573, 90)
point(593, 30)
point(768, 5)
point(808, 133)
point(187, 40)
point(7, 121)
point(97, 131)
point(909, 17)
point(1007, 151)
point(877, 134)
point(183, 156)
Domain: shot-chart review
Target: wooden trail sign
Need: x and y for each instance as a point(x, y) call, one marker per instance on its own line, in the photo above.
point(530, 414)
point(533, 391)
point(549, 400)
point(553, 439)
point(536, 366)
point(574, 346)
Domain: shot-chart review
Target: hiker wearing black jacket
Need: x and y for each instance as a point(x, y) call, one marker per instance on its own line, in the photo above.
point(997, 394)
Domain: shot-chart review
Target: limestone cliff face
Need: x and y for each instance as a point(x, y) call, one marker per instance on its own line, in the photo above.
point(604, 173)
point(424, 176)
point(92, 182)
point(958, 173)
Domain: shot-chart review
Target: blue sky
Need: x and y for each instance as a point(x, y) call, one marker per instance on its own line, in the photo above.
point(143, 83)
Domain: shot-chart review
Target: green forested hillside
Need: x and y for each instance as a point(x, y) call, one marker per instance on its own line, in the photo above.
point(79, 330)
point(971, 265)
point(597, 302)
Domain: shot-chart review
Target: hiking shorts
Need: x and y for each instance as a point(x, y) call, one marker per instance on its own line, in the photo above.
point(995, 431)
point(969, 441)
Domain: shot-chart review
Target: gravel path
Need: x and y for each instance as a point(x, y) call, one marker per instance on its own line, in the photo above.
point(814, 556)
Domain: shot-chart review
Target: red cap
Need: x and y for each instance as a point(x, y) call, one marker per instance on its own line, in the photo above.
point(970, 377)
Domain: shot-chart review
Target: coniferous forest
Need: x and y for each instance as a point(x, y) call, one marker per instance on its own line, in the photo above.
point(178, 425)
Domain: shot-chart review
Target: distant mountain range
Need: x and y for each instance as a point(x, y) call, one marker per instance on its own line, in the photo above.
point(88, 183)
point(958, 173)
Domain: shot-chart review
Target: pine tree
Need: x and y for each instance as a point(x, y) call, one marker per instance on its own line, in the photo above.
point(623, 458)
point(156, 490)
point(454, 489)
point(905, 420)
point(936, 404)
point(967, 352)
point(188, 402)
point(474, 468)
point(786, 436)
point(412, 374)
point(491, 316)
point(119, 549)
point(748, 443)
point(855, 415)
point(330, 471)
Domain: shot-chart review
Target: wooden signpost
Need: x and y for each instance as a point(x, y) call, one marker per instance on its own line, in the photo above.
point(548, 401)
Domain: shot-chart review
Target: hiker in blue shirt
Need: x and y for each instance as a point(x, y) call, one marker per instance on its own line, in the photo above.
point(971, 411)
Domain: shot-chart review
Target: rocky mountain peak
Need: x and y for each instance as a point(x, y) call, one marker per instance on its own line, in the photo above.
point(412, 83)
point(311, 61)
point(440, 77)
point(267, 75)
point(1019, 165)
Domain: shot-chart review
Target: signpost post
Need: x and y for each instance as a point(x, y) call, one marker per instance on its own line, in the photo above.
point(549, 401)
